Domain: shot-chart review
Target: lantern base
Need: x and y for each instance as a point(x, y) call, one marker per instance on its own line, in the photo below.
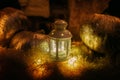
point(58, 59)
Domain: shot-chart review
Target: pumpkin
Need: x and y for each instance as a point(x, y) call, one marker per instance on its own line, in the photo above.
point(93, 40)
point(27, 40)
point(101, 33)
point(11, 21)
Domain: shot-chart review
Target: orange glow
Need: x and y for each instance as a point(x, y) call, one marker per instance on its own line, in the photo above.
point(2, 24)
point(38, 65)
point(72, 62)
point(40, 71)
point(71, 68)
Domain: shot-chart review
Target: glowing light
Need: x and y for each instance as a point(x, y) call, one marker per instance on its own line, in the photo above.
point(60, 41)
point(41, 65)
point(38, 64)
point(71, 67)
point(72, 62)
point(41, 71)
point(44, 46)
point(39, 61)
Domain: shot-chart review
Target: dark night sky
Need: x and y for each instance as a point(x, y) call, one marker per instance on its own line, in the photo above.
point(114, 8)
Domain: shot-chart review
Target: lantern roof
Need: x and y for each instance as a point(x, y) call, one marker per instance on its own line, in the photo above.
point(60, 30)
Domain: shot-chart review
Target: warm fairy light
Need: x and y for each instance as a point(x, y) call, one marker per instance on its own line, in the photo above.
point(71, 67)
point(38, 64)
point(44, 46)
point(72, 62)
point(41, 65)
point(39, 61)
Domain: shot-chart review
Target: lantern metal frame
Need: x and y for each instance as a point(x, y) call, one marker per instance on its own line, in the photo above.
point(60, 41)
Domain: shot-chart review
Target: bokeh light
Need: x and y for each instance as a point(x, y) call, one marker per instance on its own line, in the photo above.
point(71, 67)
point(37, 63)
point(41, 65)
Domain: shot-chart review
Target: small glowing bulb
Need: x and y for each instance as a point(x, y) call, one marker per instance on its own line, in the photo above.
point(39, 61)
point(71, 61)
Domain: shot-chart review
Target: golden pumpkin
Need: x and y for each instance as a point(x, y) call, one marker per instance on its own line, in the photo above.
point(95, 41)
point(101, 33)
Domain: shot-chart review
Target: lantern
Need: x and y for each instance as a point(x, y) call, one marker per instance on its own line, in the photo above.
point(60, 41)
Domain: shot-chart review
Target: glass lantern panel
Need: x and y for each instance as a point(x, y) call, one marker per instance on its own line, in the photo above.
point(69, 46)
point(53, 48)
point(59, 48)
point(62, 48)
